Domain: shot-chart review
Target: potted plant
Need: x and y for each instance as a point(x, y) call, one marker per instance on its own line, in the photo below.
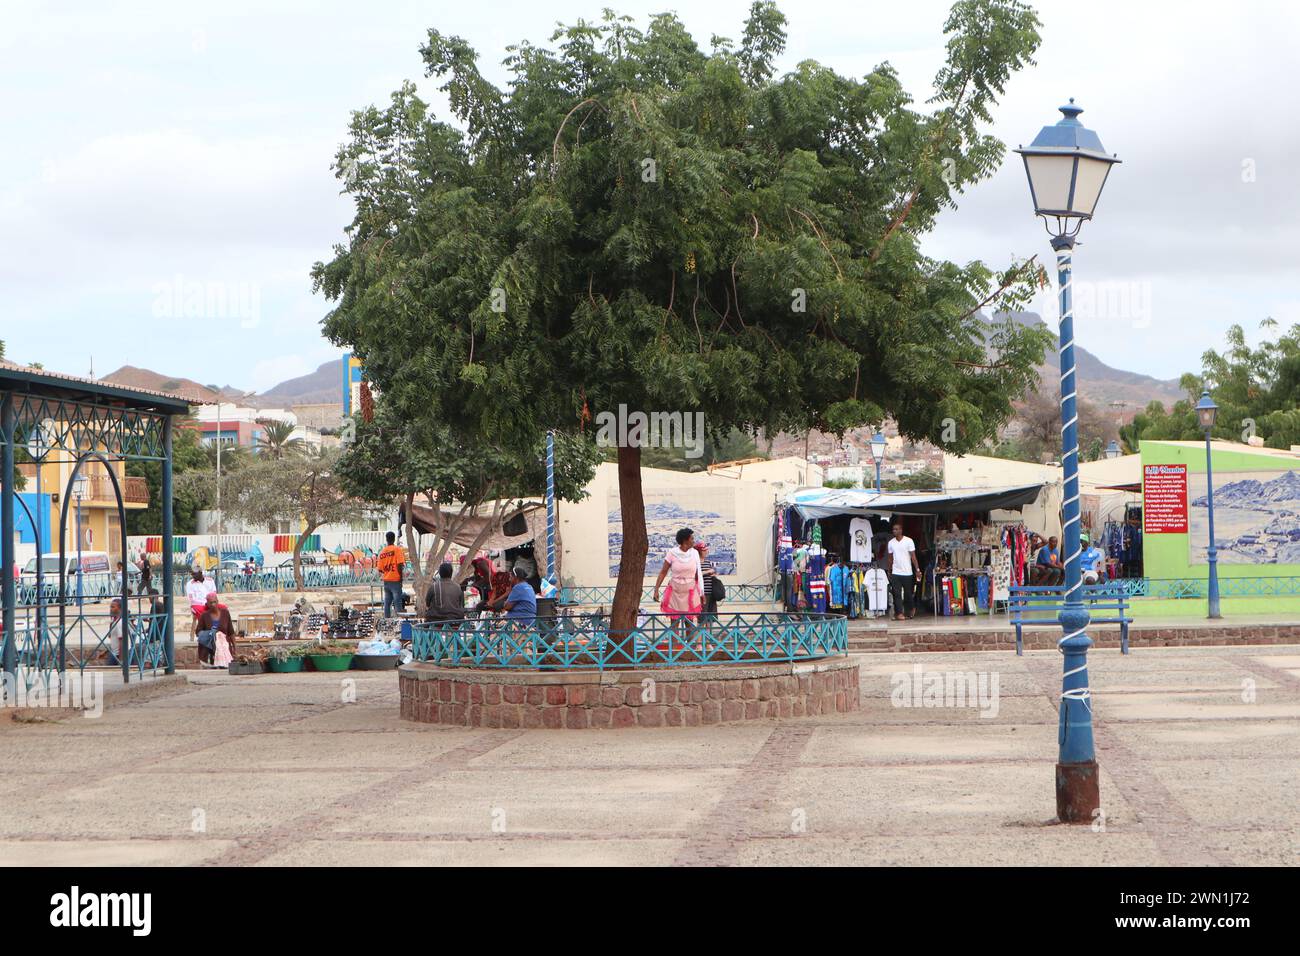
point(285, 660)
point(331, 655)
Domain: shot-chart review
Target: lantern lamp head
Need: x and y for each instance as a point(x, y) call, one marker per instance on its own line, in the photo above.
point(1206, 410)
point(1067, 168)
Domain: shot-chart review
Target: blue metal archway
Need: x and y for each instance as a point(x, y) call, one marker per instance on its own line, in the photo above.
point(92, 421)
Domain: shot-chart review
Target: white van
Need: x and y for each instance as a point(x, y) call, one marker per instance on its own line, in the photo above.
point(98, 573)
point(91, 562)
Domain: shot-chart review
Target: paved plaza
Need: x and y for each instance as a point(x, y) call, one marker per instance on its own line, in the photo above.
point(1199, 750)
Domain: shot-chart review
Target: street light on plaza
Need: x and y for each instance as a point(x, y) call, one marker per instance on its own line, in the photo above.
point(1067, 169)
point(1206, 413)
point(1113, 450)
point(80, 488)
point(878, 443)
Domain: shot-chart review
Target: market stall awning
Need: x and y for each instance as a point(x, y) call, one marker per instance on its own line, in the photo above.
point(519, 525)
point(827, 502)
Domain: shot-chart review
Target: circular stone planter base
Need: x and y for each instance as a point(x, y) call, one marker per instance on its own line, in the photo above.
point(662, 697)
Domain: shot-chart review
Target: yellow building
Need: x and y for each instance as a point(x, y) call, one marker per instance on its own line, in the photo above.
point(96, 510)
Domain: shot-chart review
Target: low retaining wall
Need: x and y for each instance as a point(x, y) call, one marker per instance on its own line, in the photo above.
point(662, 697)
point(1043, 638)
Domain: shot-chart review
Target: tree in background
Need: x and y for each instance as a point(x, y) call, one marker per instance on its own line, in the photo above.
point(396, 461)
point(188, 497)
point(1257, 391)
point(736, 445)
point(920, 481)
point(277, 439)
point(1039, 439)
point(305, 490)
point(636, 221)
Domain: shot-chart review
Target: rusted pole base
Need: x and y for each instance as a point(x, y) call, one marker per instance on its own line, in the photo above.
point(1077, 792)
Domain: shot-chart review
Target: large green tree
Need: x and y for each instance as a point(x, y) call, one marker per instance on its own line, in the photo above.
point(633, 220)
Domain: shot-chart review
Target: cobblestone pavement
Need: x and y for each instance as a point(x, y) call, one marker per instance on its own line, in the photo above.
point(1199, 750)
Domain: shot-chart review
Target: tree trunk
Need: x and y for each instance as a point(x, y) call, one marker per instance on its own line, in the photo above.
point(297, 561)
point(420, 582)
point(631, 568)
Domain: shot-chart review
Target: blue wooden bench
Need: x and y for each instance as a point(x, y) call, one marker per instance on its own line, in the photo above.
point(1041, 604)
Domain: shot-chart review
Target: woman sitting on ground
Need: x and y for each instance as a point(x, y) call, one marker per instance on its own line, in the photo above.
point(215, 628)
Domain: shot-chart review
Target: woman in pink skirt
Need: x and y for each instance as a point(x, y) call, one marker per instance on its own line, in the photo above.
point(685, 595)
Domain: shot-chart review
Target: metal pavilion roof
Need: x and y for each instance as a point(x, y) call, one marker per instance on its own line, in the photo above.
point(25, 379)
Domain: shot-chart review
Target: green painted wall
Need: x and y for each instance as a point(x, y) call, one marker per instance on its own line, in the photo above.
point(1285, 607)
point(1166, 555)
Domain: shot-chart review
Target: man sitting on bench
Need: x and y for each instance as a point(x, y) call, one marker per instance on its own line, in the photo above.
point(1092, 562)
point(1048, 570)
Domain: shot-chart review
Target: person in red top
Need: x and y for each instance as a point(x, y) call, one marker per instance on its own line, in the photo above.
point(391, 563)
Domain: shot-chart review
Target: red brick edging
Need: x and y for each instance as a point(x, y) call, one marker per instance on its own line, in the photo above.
point(1045, 638)
point(662, 697)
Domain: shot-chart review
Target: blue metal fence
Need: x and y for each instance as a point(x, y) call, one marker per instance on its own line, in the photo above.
point(584, 642)
point(1199, 588)
point(85, 638)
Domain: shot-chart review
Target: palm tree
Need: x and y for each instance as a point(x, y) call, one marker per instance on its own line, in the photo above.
point(277, 439)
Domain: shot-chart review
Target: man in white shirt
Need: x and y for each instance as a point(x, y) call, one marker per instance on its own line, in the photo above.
point(196, 592)
point(904, 573)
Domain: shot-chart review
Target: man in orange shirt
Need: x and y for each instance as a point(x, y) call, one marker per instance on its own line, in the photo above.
point(391, 563)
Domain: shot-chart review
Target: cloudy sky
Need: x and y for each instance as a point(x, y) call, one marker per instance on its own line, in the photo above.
point(156, 149)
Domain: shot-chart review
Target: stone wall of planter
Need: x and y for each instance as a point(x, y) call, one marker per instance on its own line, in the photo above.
point(659, 697)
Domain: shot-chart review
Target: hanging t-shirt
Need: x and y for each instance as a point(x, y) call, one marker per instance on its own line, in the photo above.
point(860, 541)
point(901, 549)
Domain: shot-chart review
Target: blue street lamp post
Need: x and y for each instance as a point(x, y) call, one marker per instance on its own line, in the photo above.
point(878, 443)
point(78, 492)
point(1067, 169)
point(550, 509)
point(1207, 412)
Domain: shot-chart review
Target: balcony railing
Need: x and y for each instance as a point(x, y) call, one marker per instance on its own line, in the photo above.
point(98, 489)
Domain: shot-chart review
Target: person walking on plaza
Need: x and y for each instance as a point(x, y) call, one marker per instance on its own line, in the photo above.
point(196, 592)
point(710, 576)
point(904, 573)
point(391, 563)
point(684, 598)
point(146, 575)
point(444, 601)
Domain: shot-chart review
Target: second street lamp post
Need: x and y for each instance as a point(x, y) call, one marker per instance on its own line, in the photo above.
point(1067, 169)
point(1206, 413)
point(878, 453)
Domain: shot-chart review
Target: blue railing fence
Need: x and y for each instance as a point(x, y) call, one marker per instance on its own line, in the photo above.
point(584, 641)
point(86, 636)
